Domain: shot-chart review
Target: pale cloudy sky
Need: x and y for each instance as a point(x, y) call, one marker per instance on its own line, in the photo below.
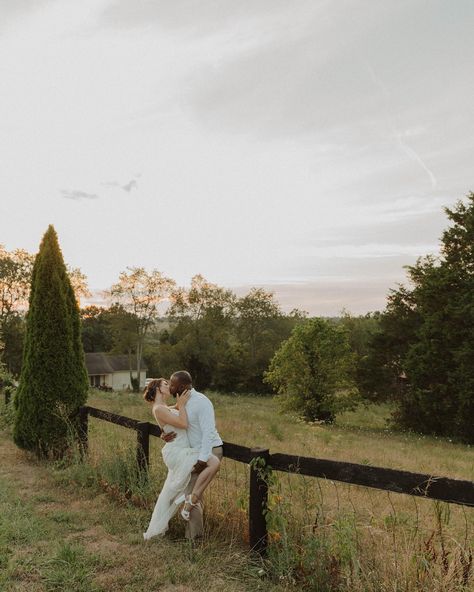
point(304, 145)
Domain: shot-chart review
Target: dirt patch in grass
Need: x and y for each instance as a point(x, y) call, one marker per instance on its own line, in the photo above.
point(63, 536)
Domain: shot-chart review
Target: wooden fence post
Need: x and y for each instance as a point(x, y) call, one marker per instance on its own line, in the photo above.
point(83, 430)
point(258, 536)
point(143, 445)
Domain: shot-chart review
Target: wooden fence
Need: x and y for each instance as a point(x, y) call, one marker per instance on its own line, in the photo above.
point(454, 491)
point(7, 396)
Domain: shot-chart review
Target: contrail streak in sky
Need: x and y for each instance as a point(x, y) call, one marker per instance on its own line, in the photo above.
point(410, 152)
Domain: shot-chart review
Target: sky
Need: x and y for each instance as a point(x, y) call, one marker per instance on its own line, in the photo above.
point(306, 146)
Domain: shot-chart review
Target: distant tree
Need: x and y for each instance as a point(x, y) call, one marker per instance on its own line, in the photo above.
point(261, 327)
point(381, 371)
point(123, 327)
point(53, 383)
point(255, 311)
point(313, 371)
point(97, 335)
point(203, 323)
point(15, 278)
point(378, 341)
point(140, 293)
point(201, 299)
point(226, 342)
point(12, 337)
point(78, 282)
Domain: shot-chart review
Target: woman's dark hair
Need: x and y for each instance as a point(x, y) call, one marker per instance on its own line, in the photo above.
point(149, 393)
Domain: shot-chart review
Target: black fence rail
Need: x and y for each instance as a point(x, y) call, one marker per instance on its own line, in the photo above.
point(454, 491)
point(7, 395)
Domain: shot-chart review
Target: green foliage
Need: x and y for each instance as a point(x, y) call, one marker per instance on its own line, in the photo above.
point(96, 329)
point(7, 392)
point(260, 329)
point(12, 342)
point(313, 371)
point(224, 341)
point(138, 294)
point(373, 379)
point(6, 378)
point(53, 382)
point(427, 332)
point(15, 275)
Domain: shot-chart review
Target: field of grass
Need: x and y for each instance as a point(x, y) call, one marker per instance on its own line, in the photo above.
point(325, 536)
point(361, 436)
point(57, 535)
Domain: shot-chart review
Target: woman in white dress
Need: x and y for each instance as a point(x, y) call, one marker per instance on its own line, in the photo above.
point(178, 456)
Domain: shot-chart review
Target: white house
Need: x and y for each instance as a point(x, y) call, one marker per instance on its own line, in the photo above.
point(111, 371)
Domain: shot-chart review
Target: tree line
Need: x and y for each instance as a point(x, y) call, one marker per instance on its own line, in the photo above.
point(418, 353)
point(225, 341)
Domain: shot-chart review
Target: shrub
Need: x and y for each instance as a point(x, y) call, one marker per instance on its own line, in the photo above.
point(313, 371)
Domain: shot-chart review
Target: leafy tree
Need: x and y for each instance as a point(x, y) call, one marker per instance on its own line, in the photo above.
point(140, 293)
point(97, 334)
point(434, 340)
point(200, 299)
point(53, 381)
point(12, 342)
point(361, 332)
point(261, 327)
point(123, 326)
point(78, 283)
point(313, 371)
point(203, 317)
point(15, 277)
point(226, 342)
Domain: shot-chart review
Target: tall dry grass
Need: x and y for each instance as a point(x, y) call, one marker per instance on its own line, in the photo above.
point(324, 535)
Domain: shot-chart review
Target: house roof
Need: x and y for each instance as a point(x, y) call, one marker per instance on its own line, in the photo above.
point(104, 363)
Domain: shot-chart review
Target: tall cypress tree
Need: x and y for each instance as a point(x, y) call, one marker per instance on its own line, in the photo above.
point(53, 382)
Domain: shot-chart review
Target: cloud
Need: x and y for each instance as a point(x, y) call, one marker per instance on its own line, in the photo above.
point(330, 296)
point(18, 9)
point(409, 230)
point(132, 184)
point(77, 194)
point(203, 17)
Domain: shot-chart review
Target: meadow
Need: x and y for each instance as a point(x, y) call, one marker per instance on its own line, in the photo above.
point(324, 536)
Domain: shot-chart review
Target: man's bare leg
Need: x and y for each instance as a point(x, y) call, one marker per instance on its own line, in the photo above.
point(194, 527)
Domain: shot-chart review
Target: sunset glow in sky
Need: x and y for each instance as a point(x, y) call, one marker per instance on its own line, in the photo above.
point(306, 146)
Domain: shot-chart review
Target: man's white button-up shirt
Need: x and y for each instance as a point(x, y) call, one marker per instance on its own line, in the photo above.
point(202, 432)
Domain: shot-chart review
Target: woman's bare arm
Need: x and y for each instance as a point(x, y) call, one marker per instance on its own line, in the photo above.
point(164, 416)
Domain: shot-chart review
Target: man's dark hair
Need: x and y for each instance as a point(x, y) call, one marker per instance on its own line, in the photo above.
point(183, 376)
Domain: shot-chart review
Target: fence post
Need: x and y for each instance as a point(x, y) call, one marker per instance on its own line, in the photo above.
point(258, 536)
point(143, 445)
point(83, 430)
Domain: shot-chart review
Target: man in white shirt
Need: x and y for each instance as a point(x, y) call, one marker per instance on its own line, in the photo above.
point(202, 434)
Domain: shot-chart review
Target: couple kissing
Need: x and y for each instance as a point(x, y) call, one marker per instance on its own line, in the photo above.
point(192, 453)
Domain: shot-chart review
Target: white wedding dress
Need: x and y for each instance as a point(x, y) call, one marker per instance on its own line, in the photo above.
point(180, 458)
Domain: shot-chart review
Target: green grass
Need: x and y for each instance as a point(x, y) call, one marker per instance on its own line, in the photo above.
point(390, 533)
point(357, 436)
point(84, 520)
point(58, 534)
point(70, 568)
